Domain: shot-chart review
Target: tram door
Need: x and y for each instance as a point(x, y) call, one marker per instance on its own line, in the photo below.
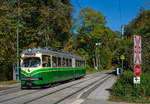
point(73, 65)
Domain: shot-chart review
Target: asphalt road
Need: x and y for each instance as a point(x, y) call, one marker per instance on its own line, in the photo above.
point(92, 89)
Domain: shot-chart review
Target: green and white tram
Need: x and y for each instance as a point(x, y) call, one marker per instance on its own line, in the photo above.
point(45, 66)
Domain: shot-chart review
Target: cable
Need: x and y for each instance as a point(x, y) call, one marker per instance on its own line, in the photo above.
point(122, 27)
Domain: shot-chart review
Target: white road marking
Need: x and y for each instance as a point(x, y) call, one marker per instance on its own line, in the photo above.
point(79, 101)
point(78, 97)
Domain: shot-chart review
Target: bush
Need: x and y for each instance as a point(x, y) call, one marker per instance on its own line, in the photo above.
point(126, 90)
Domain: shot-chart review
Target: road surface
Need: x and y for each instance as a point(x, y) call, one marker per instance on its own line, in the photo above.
point(92, 89)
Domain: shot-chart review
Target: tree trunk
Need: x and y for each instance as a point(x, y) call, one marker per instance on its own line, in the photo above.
point(14, 72)
point(94, 63)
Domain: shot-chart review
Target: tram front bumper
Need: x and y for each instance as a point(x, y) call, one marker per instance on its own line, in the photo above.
point(30, 79)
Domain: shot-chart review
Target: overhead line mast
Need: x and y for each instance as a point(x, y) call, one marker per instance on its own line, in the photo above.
point(122, 27)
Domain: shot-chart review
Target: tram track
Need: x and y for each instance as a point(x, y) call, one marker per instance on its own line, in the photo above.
point(9, 91)
point(66, 97)
point(2, 89)
point(2, 101)
point(55, 91)
point(33, 92)
point(63, 89)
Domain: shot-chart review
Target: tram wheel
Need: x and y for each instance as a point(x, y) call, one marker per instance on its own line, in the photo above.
point(45, 86)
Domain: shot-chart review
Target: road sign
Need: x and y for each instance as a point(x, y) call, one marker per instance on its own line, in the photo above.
point(137, 49)
point(136, 80)
point(137, 70)
point(122, 57)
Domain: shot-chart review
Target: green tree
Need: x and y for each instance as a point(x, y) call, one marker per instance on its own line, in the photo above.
point(91, 30)
point(140, 26)
point(44, 22)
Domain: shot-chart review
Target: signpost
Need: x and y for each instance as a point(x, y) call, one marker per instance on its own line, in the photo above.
point(137, 70)
point(122, 57)
point(137, 58)
point(137, 49)
point(136, 80)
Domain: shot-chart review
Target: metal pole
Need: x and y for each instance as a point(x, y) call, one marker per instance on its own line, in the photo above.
point(122, 31)
point(122, 66)
point(17, 71)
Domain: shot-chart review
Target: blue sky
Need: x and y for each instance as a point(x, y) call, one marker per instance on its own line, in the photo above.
point(110, 9)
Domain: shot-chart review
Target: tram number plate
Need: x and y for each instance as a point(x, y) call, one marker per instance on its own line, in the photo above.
point(28, 78)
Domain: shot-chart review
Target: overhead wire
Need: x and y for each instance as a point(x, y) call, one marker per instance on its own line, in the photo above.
point(122, 27)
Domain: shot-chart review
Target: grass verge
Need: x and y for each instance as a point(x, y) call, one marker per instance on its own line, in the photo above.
point(8, 82)
point(92, 70)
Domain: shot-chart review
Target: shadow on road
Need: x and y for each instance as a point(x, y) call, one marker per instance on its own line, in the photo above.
point(112, 72)
point(51, 85)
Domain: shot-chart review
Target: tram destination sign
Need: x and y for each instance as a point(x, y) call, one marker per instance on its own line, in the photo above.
point(29, 54)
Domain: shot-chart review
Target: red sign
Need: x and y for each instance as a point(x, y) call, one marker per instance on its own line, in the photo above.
point(137, 70)
point(137, 49)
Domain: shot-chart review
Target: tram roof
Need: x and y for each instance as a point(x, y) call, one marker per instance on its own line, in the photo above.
point(50, 51)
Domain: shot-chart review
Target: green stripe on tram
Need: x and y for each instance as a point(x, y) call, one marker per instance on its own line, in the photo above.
point(55, 69)
point(52, 69)
point(24, 73)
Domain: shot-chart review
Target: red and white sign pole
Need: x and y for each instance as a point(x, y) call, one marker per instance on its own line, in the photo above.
point(137, 56)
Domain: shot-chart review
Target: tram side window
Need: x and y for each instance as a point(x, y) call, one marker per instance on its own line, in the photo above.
point(77, 63)
point(46, 61)
point(83, 63)
point(59, 61)
point(70, 62)
point(67, 63)
point(54, 61)
point(64, 62)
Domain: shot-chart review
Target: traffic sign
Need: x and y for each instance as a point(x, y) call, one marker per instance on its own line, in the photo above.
point(137, 49)
point(122, 57)
point(137, 70)
point(136, 80)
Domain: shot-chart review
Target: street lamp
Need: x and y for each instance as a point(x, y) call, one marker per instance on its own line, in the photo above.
point(18, 58)
point(97, 62)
